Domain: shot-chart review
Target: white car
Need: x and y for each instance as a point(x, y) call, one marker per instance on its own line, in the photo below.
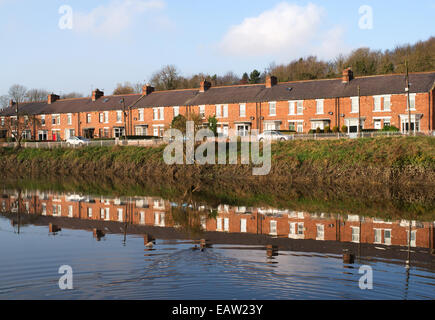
point(76, 141)
point(273, 135)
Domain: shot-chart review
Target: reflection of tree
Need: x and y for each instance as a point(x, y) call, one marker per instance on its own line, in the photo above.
point(187, 215)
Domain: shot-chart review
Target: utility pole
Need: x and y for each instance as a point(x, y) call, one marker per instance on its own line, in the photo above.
point(408, 98)
point(359, 110)
point(125, 118)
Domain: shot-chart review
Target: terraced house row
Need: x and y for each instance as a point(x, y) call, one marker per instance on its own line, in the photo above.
point(374, 101)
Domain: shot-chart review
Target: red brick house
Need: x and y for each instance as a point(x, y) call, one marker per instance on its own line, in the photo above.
point(298, 106)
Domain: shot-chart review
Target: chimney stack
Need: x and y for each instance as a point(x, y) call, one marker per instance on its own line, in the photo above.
point(347, 75)
point(204, 86)
point(11, 103)
point(97, 94)
point(147, 89)
point(271, 81)
point(52, 98)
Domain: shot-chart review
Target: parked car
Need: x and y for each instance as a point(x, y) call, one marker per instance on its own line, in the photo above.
point(76, 141)
point(273, 135)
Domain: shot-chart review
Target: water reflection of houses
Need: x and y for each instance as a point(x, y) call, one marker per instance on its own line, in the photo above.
point(153, 211)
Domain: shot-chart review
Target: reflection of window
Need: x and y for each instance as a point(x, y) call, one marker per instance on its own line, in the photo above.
point(378, 236)
point(387, 237)
point(320, 232)
point(300, 228)
point(355, 234)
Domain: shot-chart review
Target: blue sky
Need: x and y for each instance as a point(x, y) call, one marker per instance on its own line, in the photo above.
point(113, 41)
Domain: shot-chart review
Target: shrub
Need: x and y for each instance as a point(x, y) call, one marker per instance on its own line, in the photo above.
point(344, 129)
point(318, 130)
point(327, 129)
point(335, 129)
point(390, 129)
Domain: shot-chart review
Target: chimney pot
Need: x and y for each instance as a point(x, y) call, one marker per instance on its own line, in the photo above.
point(204, 86)
point(52, 98)
point(271, 81)
point(347, 75)
point(147, 89)
point(97, 94)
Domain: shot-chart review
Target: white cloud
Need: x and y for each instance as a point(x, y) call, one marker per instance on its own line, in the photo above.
point(114, 18)
point(286, 31)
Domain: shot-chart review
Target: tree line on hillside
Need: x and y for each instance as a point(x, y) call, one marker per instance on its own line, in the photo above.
point(363, 61)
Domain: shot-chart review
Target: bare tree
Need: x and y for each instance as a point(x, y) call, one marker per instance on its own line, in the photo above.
point(126, 88)
point(166, 79)
point(18, 93)
point(4, 102)
point(35, 95)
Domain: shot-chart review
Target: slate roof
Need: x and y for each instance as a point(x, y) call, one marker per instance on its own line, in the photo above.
point(297, 90)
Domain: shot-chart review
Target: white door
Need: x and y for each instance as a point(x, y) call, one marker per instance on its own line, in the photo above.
point(243, 226)
point(378, 125)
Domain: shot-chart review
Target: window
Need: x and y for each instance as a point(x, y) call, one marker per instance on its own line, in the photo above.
point(106, 117)
point(89, 212)
point(202, 111)
point(387, 237)
point(355, 234)
point(320, 104)
point(292, 126)
point(55, 119)
point(242, 110)
point(101, 118)
point(378, 125)
point(412, 100)
point(378, 236)
point(162, 113)
point(226, 224)
point(42, 120)
point(225, 115)
point(155, 114)
point(413, 238)
point(141, 113)
point(120, 215)
point(387, 123)
point(176, 111)
point(300, 228)
point(218, 111)
point(291, 107)
point(70, 211)
point(219, 224)
point(300, 128)
point(355, 105)
point(273, 228)
point(300, 107)
point(272, 108)
point(377, 103)
point(118, 116)
point(320, 232)
point(69, 117)
point(387, 103)
point(88, 118)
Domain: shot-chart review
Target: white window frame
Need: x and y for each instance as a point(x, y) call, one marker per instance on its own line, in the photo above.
point(242, 110)
point(292, 108)
point(300, 107)
point(272, 108)
point(412, 101)
point(354, 108)
point(377, 102)
point(355, 234)
point(162, 113)
point(69, 118)
point(106, 116)
point(119, 116)
point(218, 111)
point(141, 114)
point(320, 106)
point(202, 111)
point(155, 114)
point(387, 103)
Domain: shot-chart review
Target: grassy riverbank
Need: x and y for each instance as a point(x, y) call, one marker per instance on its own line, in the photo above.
point(400, 160)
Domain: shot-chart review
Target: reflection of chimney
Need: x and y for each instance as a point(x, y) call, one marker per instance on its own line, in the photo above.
point(347, 75)
point(204, 86)
point(52, 98)
point(271, 81)
point(147, 89)
point(97, 94)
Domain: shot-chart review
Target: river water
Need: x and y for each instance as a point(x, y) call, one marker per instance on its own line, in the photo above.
point(149, 247)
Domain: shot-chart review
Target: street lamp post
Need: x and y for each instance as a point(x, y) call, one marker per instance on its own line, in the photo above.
point(408, 98)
